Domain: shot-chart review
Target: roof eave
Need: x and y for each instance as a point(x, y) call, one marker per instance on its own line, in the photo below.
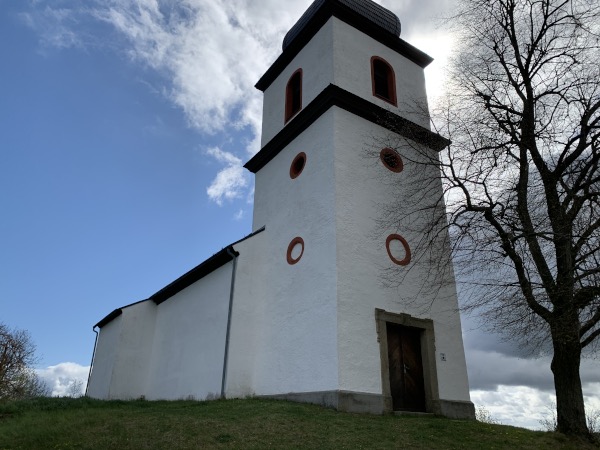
point(109, 317)
point(336, 96)
point(352, 18)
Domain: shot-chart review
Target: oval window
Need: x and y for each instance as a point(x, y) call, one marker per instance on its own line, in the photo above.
point(297, 165)
point(398, 249)
point(391, 159)
point(295, 250)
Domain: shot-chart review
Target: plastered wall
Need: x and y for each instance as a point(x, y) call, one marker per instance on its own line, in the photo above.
point(298, 344)
point(189, 340)
point(339, 54)
point(364, 187)
point(104, 359)
point(316, 61)
point(352, 52)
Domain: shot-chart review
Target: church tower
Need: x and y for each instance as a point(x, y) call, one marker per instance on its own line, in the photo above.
point(299, 308)
point(333, 332)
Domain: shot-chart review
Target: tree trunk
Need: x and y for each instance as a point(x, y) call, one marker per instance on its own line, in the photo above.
point(570, 409)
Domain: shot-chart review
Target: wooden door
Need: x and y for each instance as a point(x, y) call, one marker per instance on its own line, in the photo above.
point(406, 368)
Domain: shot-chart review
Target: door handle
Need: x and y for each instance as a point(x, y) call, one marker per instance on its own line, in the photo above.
point(406, 368)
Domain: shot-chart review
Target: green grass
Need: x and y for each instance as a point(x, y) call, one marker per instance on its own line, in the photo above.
point(64, 423)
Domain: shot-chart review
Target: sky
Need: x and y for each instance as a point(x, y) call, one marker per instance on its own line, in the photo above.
point(124, 125)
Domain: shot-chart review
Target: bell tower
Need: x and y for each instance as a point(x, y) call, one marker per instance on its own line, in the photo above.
point(333, 332)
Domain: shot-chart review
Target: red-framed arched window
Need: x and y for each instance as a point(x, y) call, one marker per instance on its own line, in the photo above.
point(293, 95)
point(383, 80)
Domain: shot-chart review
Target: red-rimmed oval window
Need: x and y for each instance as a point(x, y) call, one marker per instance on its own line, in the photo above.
point(295, 250)
point(398, 249)
point(391, 159)
point(297, 165)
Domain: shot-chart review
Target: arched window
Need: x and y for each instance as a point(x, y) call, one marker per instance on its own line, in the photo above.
point(383, 80)
point(293, 95)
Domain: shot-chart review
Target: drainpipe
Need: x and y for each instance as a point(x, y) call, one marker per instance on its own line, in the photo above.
point(225, 357)
point(92, 361)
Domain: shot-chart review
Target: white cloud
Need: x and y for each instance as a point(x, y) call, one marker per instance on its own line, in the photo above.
point(223, 156)
point(527, 407)
point(230, 182)
point(54, 26)
point(515, 387)
point(250, 196)
point(519, 406)
point(62, 377)
point(210, 53)
point(438, 44)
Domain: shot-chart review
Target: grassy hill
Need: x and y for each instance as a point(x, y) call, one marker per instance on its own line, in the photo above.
point(65, 423)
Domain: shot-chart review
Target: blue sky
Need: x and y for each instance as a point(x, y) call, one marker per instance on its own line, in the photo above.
point(123, 128)
point(103, 186)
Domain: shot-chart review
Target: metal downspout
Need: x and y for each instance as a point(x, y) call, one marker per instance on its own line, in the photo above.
point(225, 357)
point(92, 362)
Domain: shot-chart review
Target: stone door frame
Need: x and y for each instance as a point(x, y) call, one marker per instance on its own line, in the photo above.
point(432, 396)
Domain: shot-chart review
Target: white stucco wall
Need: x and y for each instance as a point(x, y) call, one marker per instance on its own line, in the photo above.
point(107, 347)
point(352, 71)
point(130, 372)
point(298, 348)
point(339, 54)
point(248, 317)
point(362, 186)
point(123, 354)
point(189, 340)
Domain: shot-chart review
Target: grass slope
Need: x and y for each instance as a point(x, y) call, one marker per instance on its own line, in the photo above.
point(65, 423)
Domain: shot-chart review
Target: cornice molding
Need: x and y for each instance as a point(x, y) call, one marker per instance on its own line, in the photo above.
point(339, 10)
point(335, 96)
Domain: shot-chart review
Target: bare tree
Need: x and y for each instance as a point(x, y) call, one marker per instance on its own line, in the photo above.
point(17, 356)
point(75, 389)
point(520, 179)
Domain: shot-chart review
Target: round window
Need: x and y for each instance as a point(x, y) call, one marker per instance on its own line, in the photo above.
point(295, 250)
point(398, 249)
point(297, 165)
point(391, 159)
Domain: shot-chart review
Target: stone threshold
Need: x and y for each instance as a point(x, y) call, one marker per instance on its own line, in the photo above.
point(413, 413)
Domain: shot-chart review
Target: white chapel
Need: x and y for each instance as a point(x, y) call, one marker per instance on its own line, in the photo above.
point(297, 309)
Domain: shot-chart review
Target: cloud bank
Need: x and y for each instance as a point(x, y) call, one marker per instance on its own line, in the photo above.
point(65, 379)
point(210, 54)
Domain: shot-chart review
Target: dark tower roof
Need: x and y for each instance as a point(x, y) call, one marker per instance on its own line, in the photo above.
point(364, 15)
point(368, 9)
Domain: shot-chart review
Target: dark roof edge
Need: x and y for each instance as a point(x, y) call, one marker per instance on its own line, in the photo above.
point(210, 265)
point(335, 96)
point(109, 318)
point(116, 313)
point(254, 233)
point(200, 271)
point(368, 9)
point(352, 18)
